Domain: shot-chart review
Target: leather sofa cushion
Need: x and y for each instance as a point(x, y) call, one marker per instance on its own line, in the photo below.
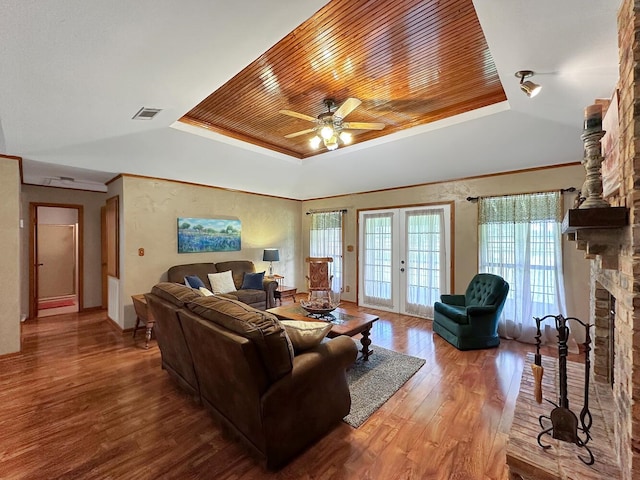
point(175, 293)
point(201, 270)
point(250, 296)
point(262, 328)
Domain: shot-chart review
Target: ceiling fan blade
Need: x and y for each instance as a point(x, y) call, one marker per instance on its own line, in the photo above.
point(298, 115)
point(348, 106)
point(296, 134)
point(363, 126)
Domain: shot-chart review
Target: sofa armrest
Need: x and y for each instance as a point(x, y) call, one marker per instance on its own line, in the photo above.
point(311, 399)
point(458, 300)
point(270, 286)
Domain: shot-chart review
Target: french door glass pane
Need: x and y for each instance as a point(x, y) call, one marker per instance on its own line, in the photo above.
point(378, 248)
point(424, 259)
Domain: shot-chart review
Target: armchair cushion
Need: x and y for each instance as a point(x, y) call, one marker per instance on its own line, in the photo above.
point(453, 299)
point(454, 312)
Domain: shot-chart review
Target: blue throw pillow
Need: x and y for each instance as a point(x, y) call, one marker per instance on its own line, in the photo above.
point(252, 281)
point(193, 281)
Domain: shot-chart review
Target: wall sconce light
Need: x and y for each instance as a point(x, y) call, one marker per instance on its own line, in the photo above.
point(531, 89)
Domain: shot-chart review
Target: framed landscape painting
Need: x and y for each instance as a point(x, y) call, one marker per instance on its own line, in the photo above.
point(208, 235)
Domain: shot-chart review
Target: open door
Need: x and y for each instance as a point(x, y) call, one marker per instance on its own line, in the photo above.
point(55, 257)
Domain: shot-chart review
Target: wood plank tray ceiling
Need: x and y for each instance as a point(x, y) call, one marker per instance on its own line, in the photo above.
point(410, 62)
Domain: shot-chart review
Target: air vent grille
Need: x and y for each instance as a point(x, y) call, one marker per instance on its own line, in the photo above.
point(146, 113)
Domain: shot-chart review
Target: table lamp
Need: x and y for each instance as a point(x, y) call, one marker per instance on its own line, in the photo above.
point(271, 255)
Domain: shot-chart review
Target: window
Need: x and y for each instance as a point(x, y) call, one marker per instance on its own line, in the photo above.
point(520, 240)
point(326, 241)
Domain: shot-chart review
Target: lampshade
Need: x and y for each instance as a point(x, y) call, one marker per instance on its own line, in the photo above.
point(271, 255)
point(315, 142)
point(346, 137)
point(326, 132)
point(331, 143)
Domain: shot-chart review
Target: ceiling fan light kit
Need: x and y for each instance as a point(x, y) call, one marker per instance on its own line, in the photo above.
point(329, 129)
point(528, 87)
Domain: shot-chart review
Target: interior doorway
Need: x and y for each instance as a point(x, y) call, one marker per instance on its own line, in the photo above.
point(55, 254)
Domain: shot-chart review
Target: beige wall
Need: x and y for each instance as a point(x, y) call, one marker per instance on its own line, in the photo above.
point(149, 212)
point(10, 258)
point(91, 203)
point(465, 223)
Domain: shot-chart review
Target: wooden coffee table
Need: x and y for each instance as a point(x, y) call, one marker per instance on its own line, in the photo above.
point(343, 323)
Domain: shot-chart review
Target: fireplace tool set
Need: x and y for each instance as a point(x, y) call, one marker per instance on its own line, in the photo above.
point(565, 425)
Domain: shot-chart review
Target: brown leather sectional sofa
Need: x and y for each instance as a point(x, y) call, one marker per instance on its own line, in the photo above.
point(238, 361)
point(260, 299)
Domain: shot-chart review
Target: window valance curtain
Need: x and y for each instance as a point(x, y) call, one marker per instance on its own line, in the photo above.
point(523, 208)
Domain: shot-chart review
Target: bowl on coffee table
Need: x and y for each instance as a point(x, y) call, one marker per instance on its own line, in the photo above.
point(321, 304)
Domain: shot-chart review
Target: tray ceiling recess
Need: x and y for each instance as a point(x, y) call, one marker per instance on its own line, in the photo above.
point(410, 62)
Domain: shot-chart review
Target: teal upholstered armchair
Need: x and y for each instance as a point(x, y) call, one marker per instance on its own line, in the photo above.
point(470, 321)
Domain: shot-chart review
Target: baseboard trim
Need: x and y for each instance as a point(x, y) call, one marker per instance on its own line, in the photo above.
point(113, 324)
point(93, 309)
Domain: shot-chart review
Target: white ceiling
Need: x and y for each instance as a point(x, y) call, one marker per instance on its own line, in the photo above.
point(75, 72)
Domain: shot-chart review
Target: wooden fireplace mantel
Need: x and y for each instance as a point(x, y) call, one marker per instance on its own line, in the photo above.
point(597, 231)
point(595, 218)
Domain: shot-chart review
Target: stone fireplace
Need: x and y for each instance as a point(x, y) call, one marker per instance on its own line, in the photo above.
point(614, 254)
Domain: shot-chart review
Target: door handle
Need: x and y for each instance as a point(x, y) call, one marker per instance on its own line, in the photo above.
point(402, 269)
point(39, 264)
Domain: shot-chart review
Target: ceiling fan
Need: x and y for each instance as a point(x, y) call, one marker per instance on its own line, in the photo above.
point(330, 126)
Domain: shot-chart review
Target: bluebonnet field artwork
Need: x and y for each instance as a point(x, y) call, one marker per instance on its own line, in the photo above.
point(208, 235)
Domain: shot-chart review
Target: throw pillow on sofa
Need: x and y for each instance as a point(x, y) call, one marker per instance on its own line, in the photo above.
point(305, 335)
point(222, 282)
point(252, 281)
point(193, 281)
point(206, 292)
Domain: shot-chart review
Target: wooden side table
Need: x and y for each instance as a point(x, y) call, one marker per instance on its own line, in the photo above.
point(143, 315)
point(283, 292)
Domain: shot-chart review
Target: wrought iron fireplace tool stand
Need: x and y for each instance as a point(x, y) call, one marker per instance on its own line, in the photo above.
point(565, 425)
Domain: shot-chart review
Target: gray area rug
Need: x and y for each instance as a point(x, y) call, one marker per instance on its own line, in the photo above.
point(372, 383)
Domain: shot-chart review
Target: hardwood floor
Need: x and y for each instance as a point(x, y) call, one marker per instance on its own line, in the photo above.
point(82, 401)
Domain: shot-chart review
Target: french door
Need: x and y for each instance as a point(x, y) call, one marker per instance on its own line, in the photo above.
point(405, 258)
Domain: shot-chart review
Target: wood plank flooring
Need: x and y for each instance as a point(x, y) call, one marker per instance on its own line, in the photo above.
point(82, 401)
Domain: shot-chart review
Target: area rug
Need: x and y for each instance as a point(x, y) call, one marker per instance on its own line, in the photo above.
point(372, 383)
point(63, 302)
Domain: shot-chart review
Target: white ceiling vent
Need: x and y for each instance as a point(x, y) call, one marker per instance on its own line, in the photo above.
point(146, 113)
